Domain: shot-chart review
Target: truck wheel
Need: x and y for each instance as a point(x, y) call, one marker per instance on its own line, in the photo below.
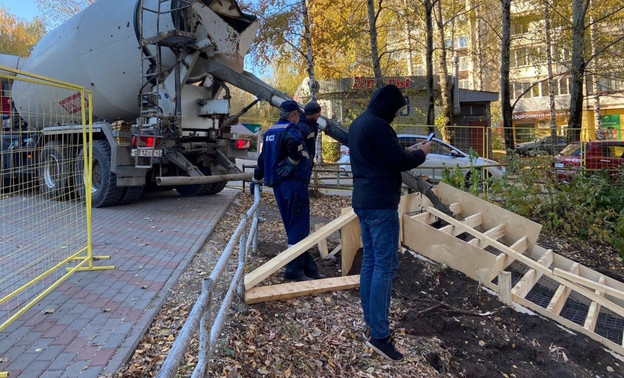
point(197, 189)
point(217, 187)
point(131, 194)
point(54, 171)
point(104, 189)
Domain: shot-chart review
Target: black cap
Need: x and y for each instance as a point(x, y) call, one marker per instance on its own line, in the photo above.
point(312, 107)
point(289, 106)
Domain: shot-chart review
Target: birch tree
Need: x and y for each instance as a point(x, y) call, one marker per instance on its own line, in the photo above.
point(18, 37)
point(372, 23)
point(505, 100)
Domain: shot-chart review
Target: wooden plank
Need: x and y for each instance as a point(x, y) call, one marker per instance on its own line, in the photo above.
point(589, 283)
point(503, 260)
point(425, 217)
point(569, 324)
point(448, 229)
point(516, 225)
point(494, 232)
point(593, 311)
point(296, 289)
point(335, 250)
point(504, 287)
point(351, 240)
point(446, 249)
point(561, 295)
point(455, 208)
point(531, 263)
point(528, 281)
point(322, 244)
point(262, 272)
point(473, 220)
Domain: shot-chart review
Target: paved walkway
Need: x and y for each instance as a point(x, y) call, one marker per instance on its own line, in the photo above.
point(99, 317)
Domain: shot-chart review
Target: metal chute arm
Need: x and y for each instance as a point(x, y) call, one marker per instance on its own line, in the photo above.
point(252, 84)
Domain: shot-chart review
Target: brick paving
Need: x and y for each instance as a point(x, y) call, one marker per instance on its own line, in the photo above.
point(99, 317)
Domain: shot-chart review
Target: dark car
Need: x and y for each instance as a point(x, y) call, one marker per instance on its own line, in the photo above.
point(595, 156)
point(540, 146)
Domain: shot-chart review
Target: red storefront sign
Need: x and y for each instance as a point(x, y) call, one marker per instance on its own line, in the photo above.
point(369, 83)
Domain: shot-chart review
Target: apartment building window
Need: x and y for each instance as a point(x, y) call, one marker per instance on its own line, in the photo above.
point(519, 58)
point(461, 43)
point(610, 84)
point(464, 63)
point(535, 90)
point(465, 84)
point(519, 28)
point(544, 88)
point(564, 86)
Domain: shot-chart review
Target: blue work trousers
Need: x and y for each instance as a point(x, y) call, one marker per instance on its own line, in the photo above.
point(380, 237)
point(293, 201)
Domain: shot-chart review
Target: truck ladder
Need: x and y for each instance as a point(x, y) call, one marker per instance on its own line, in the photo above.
point(153, 123)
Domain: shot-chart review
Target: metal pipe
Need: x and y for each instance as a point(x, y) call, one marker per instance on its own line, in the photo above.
point(169, 368)
point(184, 180)
point(201, 314)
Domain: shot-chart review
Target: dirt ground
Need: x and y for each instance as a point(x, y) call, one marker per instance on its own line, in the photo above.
point(446, 324)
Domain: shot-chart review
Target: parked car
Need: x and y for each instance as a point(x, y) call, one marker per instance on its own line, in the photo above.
point(344, 161)
point(442, 155)
point(540, 146)
point(599, 155)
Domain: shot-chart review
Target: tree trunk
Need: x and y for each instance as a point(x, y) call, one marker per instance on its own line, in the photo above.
point(577, 69)
point(445, 87)
point(318, 158)
point(551, 82)
point(507, 109)
point(429, 64)
point(596, 68)
point(372, 21)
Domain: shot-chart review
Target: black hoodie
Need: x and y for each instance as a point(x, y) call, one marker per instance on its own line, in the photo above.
point(377, 158)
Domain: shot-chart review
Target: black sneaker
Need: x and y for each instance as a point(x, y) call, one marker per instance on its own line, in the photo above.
point(366, 333)
point(385, 347)
point(300, 278)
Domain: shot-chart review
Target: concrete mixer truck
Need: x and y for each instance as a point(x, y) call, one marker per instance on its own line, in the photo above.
point(160, 72)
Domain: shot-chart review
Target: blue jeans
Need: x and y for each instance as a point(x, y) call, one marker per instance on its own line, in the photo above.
point(380, 236)
point(293, 201)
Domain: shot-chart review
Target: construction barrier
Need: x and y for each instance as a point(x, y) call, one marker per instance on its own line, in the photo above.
point(45, 202)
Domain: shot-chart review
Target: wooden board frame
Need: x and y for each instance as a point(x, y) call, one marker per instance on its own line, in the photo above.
point(514, 237)
point(499, 229)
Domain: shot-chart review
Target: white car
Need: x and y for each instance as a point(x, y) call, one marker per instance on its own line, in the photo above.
point(442, 155)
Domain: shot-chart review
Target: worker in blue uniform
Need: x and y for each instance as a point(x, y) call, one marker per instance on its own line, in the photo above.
point(284, 164)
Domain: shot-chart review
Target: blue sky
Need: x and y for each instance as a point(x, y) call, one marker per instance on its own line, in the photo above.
point(22, 9)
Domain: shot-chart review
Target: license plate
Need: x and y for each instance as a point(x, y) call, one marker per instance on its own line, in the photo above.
point(146, 153)
point(558, 165)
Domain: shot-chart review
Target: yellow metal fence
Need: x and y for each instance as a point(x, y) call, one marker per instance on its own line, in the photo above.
point(45, 192)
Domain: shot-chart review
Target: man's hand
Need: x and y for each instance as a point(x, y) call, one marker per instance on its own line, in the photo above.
point(252, 186)
point(286, 167)
point(425, 147)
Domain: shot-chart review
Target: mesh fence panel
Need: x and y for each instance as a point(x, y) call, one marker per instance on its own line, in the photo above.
point(45, 198)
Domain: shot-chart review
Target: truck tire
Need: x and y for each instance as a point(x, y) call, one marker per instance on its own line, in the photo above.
point(197, 189)
point(104, 189)
point(54, 171)
point(217, 187)
point(131, 194)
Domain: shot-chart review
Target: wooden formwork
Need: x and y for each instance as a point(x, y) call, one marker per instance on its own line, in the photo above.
point(491, 245)
point(499, 249)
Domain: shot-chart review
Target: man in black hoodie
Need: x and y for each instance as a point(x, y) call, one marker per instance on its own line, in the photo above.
point(377, 160)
